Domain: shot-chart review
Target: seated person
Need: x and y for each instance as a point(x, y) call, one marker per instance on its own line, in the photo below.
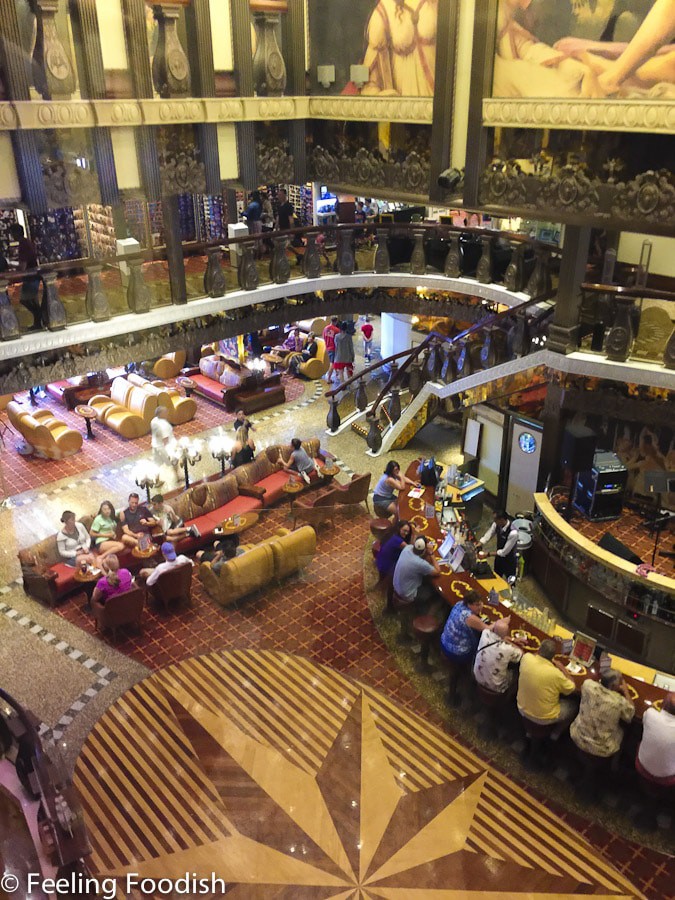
point(170, 524)
point(292, 344)
point(136, 520)
point(240, 421)
point(210, 553)
point(171, 560)
point(656, 754)
point(496, 659)
point(414, 567)
point(222, 553)
point(243, 450)
point(384, 496)
point(73, 542)
point(604, 705)
point(541, 681)
point(114, 580)
point(390, 550)
point(462, 630)
point(104, 530)
point(300, 461)
point(308, 352)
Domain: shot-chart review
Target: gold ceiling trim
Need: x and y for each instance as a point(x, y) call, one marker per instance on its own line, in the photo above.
point(373, 109)
point(651, 116)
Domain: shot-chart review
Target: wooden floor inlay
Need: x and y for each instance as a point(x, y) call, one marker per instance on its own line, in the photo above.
point(288, 780)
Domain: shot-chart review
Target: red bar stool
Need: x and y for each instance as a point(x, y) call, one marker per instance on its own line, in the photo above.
point(537, 743)
point(425, 629)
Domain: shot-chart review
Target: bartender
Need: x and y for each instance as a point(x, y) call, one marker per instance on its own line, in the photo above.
point(507, 540)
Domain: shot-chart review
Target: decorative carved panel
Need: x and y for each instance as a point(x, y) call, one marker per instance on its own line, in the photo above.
point(170, 65)
point(275, 165)
point(67, 184)
point(269, 68)
point(53, 69)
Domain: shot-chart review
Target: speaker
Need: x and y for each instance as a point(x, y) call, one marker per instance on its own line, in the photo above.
point(578, 448)
point(613, 545)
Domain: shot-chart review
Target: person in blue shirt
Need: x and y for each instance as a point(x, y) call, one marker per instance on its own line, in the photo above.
point(462, 630)
point(391, 548)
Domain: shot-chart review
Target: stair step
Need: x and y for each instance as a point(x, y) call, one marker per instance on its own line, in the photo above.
point(362, 429)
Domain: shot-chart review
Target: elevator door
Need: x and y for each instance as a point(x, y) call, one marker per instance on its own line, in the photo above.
point(523, 467)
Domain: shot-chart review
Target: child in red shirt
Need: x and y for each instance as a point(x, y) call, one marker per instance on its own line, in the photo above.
point(367, 332)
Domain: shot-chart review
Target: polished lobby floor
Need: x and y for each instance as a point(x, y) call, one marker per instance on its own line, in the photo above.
point(287, 779)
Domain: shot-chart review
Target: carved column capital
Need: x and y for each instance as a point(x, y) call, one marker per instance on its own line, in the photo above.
point(54, 73)
point(170, 65)
point(269, 68)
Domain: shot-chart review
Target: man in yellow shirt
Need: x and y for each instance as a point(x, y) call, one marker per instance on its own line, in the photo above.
point(541, 681)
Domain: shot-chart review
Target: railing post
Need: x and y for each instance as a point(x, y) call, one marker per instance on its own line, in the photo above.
point(484, 270)
point(247, 273)
point(361, 397)
point(394, 405)
point(514, 277)
point(374, 437)
point(138, 293)
point(280, 268)
point(669, 352)
point(53, 311)
point(447, 373)
point(418, 261)
point(215, 283)
point(415, 379)
point(518, 338)
point(96, 301)
point(620, 337)
point(345, 252)
point(464, 366)
point(311, 261)
point(540, 279)
point(432, 364)
point(333, 420)
point(9, 324)
point(382, 260)
point(453, 262)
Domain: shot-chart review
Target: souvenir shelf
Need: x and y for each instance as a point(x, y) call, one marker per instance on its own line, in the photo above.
point(7, 219)
point(301, 198)
point(55, 236)
point(101, 230)
point(211, 212)
point(187, 217)
point(136, 217)
point(156, 221)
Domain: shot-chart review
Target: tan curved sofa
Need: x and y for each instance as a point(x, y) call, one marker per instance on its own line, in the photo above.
point(128, 410)
point(49, 436)
point(169, 365)
point(180, 409)
point(277, 557)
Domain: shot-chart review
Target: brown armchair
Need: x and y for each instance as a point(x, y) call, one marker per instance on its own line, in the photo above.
point(175, 584)
point(120, 609)
point(356, 491)
point(315, 509)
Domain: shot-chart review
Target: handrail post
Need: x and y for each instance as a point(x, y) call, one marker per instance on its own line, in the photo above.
point(215, 283)
point(345, 252)
point(311, 261)
point(247, 273)
point(280, 268)
point(453, 261)
point(382, 260)
point(374, 437)
point(484, 270)
point(96, 301)
point(138, 293)
point(333, 420)
point(53, 310)
point(418, 261)
point(540, 279)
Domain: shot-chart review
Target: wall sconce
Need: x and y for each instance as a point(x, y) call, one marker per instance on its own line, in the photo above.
point(147, 475)
point(325, 75)
point(220, 448)
point(359, 75)
point(185, 453)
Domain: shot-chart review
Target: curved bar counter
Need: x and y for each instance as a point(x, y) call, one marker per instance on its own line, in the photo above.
point(602, 594)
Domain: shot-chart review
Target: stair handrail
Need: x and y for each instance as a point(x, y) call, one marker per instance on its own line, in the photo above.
point(638, 293)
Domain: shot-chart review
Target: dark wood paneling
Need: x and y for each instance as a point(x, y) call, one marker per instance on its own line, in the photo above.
point(86, 34)
point(482, 63)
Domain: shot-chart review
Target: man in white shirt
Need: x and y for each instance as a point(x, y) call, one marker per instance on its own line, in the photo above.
point(496, 659)
point(507, 540)
point(656, 753)
point(161, 432)
point(171, 560)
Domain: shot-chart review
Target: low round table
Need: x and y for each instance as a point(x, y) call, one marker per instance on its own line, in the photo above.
point(187, 384)
point(87, 413)
point(88, 581)
point(144, 554)
point(329, 472)
point(275, 362)
point(246, 520)
point(292, 489)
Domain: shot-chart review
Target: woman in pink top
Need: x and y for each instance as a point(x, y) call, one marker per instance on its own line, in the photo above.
point(114, 581)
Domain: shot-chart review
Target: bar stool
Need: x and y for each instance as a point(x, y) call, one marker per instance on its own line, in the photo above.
point(537, 743)
point(380, 528)
point(375, 548)
point(492, 702)
point(425, 629)
point(406, 611)
point(593, 773)
point(655, 796)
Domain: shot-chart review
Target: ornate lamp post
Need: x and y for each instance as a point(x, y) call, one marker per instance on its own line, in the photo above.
point(185, 453)
point(220, 448)
point(147, 475)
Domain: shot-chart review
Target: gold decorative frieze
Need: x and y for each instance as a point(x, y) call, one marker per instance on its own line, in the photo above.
point(654, 116)
point(8, 117)
point(160, 112)
point(54, 114)
point(231, 110)
point(373, 109)
point(117, 112)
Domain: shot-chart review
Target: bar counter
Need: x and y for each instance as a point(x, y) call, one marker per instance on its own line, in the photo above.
point(453, 586)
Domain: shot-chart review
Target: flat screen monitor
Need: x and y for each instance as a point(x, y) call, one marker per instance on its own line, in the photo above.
point(667, 682)
point(446, 547)
point(583, 648)
point(457, 558)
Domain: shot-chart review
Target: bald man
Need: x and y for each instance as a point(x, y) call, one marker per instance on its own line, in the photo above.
point(656, 753)
point(497, 658)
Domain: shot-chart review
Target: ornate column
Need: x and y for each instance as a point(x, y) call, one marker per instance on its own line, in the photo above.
point(280, 268)
point(174, 249)
point(200, 51)
point(53, 70)
point(170, 66)
point(564, 330)
point(96, 301)
point(243, 72)
point(9, 324)
point(345, 252)
point(453, 263)
point(269, 68)
point(138, 293)
point(53, 311)
point(484, 270)
point(382, 260)
point(418, 262)
point(215, 283)
point(311, 261)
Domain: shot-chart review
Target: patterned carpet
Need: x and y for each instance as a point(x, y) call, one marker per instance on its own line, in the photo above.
point(23, 473)
point(323, 616)
point(631, 531)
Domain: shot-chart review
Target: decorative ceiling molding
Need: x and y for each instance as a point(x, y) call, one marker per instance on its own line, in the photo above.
point(372, 109)
point(652, 116)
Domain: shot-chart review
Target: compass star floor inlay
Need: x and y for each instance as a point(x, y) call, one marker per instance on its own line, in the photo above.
point(288, 780)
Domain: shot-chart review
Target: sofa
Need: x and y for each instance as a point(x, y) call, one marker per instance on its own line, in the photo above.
point(274, 559)
point(128, 410)
point(179, 409)
point(47, 435)
point(228, 382)
point(315, 367)
point(266, 478)
point(169, 365)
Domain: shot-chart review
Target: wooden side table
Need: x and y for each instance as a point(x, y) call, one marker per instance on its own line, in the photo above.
point(87, 413)
point(187, 384)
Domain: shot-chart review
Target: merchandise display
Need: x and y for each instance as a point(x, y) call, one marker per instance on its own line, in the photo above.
point(156, 219)
point(56, 237)
point(101, 230)
point(136, 217)
point(186, 217)
point(7, 219)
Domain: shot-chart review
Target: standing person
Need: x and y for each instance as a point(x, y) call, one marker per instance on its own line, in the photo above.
point(240, 421)
point(285, 212)
point(30, 287)
point(344, 353)
point(384, 497)
point(506, 559)
point(104, 530)
point(367, 332)
point(136, 520)
point(253, 216)
point(73, 542)
point(329, 333)
point(162, 438)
